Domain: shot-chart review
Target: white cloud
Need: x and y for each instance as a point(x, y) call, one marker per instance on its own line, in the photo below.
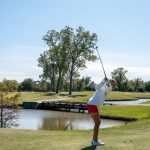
point(11, 75)
point(18, 78)
point(140, 70)
point(23, 64)
point(95, 71)
point(32, 67)
point(2, 73)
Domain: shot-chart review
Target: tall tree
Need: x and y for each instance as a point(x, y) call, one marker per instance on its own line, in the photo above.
point(50, 69)
point(8, 117)
point(138, 85)
point(26, 85)
point(147, 86)
point(119, 75)
point(81, 49)
point(68, 52)
point(55, 59)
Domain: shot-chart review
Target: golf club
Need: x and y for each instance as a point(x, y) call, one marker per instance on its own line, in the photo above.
point(101, 62)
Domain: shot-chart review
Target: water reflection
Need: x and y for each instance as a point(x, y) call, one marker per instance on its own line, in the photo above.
point(58, 120)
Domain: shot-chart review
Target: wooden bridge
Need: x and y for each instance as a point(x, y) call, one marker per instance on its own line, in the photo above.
point(56, 105)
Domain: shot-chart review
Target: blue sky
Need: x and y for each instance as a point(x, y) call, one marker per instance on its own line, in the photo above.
point(122, 26)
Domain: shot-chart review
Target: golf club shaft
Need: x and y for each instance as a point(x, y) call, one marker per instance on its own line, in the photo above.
point(101, 63)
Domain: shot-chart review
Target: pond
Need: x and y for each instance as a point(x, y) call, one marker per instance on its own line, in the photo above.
point(134, 102)
point(59, 120)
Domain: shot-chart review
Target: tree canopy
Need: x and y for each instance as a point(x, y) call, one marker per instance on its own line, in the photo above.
point(67, 54)
point(8, 117)
point(119, 75)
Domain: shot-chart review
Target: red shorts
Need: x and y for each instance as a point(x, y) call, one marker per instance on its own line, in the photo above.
point(92, 108)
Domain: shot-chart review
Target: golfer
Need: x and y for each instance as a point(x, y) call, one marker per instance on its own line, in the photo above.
point(102, 89)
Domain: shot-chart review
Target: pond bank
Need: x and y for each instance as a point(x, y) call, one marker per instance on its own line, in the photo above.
point(69, 107)
point(119, 118)
point(56, 120)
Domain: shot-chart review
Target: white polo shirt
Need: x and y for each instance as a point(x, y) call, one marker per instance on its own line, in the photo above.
point(102, 90)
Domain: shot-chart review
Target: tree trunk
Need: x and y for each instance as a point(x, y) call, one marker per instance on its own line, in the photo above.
point(70, 85)
point(53, 84)
point(1, 108)
point(58, 82)
point(1, 117)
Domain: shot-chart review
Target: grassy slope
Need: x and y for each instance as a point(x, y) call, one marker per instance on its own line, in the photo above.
point(147, 102)
point(126, 111)
point(133, 136)
point(128, 95)
point(111, 96)
point(33, 96)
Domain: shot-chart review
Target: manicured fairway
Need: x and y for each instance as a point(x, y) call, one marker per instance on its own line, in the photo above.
point(133, 136)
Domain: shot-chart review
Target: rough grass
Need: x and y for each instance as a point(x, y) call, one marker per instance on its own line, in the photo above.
point(133, 136)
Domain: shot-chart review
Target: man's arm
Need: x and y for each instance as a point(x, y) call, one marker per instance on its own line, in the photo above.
point(100, 85)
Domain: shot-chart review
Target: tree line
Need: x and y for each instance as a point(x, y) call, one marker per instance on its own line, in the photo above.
point(126, 85)
point(78, 84)
point(85, 83)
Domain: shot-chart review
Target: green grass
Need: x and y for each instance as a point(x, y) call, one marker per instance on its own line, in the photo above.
point(146, 102)
point(127, 95)
point(34, 96)
point(111, 96)
point(138, 112)
point(80, 96)
point(133, 136)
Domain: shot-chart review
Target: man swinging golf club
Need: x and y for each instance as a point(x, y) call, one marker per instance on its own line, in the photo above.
point(102, 89)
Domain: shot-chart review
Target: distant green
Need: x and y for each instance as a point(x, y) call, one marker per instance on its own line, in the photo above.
point(81, 96)
point(138, 112)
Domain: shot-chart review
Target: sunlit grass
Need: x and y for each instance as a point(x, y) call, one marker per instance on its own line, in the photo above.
point(126, 111)
point(132, 136)
point(34, 96)
point(148, 102)
point(80, 96)
point(127, 95)
point(111, 96)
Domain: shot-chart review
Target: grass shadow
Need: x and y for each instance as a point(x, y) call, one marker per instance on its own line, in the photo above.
point(74, 95)
point(89, 148)
point(49, 94)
